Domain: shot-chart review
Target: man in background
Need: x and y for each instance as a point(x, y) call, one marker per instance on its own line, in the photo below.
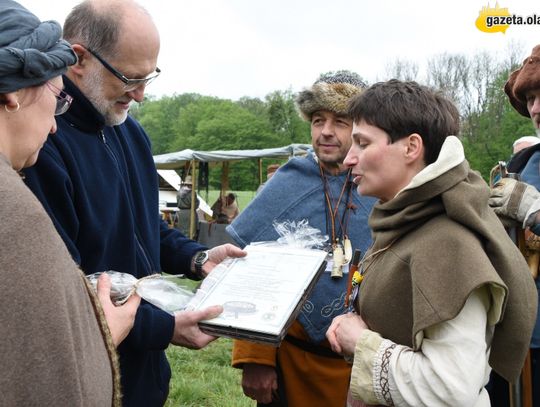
point(304, 371)
point(183, 202)
point(520, 201)
point(524, 142)
point(225, 209)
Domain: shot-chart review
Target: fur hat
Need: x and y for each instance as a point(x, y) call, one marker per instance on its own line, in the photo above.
point(332, 92)
point(525, 78)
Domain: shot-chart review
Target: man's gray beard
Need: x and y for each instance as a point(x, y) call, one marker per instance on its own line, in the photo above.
point(93, 84)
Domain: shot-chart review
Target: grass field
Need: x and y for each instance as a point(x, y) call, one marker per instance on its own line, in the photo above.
point(205, 378)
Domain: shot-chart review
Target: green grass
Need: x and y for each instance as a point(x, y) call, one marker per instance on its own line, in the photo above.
point(205, 378)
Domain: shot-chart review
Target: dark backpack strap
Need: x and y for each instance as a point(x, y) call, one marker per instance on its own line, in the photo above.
point(520, 159)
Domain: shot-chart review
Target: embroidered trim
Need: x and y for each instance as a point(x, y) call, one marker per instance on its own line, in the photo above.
point(109, 345)
point(381, 386)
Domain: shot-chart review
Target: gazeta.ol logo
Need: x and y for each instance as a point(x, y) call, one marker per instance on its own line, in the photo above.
point(498, 19)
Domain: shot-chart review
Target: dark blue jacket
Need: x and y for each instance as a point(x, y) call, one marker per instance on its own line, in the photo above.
point(99, 184)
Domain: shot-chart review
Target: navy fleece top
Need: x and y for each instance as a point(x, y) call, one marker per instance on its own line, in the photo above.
point(99, 184)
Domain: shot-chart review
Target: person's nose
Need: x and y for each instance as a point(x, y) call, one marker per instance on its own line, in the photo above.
point(328, 128)
point(535, 108)
point(137, 94)
point(350, 159)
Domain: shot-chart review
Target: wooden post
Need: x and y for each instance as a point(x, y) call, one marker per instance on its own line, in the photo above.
point(224, 178)
point(526, 382)
point(192, 217)
point(521, 391)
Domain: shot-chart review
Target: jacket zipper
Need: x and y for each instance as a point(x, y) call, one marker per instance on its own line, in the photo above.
point(137, 239)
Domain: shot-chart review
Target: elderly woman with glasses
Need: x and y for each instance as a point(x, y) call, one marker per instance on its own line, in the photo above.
point(57, 348)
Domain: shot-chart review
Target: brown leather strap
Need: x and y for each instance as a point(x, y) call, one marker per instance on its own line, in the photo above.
point(312, 348)
point(515, 197)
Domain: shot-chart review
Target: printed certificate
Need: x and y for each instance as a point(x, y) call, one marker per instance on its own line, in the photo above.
point(261, 294)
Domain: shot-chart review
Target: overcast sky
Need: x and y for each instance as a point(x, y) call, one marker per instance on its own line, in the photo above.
point(235, 48)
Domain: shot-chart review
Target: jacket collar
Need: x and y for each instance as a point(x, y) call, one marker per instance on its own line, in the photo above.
point(450, 156)
point(82, 114)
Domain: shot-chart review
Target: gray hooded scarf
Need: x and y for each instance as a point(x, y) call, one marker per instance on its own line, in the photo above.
point(31, 51)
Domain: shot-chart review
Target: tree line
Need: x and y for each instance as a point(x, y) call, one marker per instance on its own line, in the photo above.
point(489, 124)
point(207, 123)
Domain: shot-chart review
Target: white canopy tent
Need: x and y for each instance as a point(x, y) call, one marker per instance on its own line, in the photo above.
point(179, 159)
point(176, 160)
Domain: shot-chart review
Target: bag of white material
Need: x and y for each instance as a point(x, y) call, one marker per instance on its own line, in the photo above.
point(164, 291)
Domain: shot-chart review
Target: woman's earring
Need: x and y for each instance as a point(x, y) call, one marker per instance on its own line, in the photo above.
point(14, 110)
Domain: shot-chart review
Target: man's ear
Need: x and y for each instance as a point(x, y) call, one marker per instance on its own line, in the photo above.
point(82, 59)
point(414, 147)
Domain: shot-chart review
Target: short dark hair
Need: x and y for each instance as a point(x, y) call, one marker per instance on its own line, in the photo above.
point(403, 108)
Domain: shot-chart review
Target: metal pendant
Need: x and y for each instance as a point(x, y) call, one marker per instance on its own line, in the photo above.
point(339, 261)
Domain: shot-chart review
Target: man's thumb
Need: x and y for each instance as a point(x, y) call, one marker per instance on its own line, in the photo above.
point(211, 312)
point(104, 287)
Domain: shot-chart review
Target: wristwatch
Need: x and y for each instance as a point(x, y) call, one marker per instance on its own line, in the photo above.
point(198, 260)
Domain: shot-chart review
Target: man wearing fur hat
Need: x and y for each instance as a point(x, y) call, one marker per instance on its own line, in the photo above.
point(520, 201)
point(304, 371)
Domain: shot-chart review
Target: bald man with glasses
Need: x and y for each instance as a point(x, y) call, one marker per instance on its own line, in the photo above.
point(97, 180)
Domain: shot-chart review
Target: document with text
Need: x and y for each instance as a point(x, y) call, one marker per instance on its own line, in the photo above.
point(262, 293)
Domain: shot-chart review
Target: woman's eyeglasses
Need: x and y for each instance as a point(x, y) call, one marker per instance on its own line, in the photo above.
point(63, 100)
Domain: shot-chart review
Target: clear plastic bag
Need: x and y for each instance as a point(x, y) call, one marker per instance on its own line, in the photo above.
point(299, 234)
point(164, 291)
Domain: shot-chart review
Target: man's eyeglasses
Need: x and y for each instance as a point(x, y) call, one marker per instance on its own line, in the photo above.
point(63, 100)
point(129, 84)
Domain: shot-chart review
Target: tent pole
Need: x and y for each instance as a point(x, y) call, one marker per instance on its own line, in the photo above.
point(224, 178)
point(192, 216)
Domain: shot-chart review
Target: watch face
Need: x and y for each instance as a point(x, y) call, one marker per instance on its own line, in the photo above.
point(201, 258)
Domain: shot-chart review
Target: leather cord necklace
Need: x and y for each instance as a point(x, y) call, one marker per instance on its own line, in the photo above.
point(341, 245)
